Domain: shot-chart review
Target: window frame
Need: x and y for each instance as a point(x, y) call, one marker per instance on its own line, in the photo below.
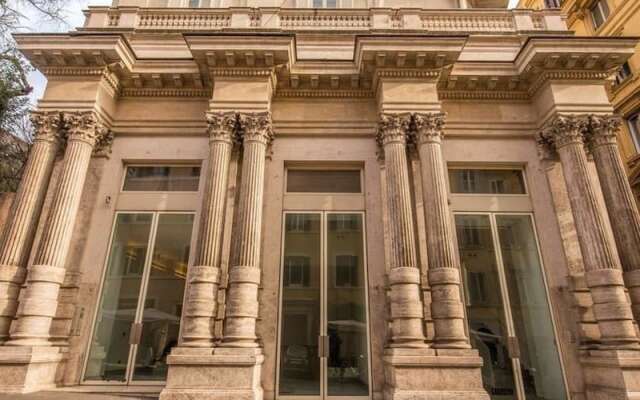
point(552, 4)
point(337, 167)
point(489, 167)
point(623, 73)
point(157, 165)
point(602, 7)
point(633, 124)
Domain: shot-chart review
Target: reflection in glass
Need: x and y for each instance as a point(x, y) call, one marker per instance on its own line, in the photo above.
point(489, 181)
point(485, 310)
point(348, 368)
point(109, 350)
point(162, 178)
point(539, 358)
point(323, 181)
point(299, 362)
point(163, 298)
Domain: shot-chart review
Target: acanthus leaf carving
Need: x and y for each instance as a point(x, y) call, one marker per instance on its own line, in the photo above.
point(222, 126)
point(602, 130)
point(563, 130)
point(85, 126)
point(256, 127)
point(393, 128)
point(429, 127)
point(48, 125)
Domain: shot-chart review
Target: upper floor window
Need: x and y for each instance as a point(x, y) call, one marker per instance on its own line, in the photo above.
point(325, 3)
point(552, 3)
point(486, 181)
point(634, 129)
point(599, 13)
point(161, 178)
point(623, 73)
point(323, 181)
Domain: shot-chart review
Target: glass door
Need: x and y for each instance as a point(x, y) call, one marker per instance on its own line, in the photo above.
point(140, 306)
point(510, 321)
point(324, 344)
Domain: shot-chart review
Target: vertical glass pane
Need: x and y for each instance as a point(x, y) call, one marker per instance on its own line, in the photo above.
point(348, 365)
point(163, 300)
point(109, 350)
point(299, 362)
point(539, 358)
point(485, 308)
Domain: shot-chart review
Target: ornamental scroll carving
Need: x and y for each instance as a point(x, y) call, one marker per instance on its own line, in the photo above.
point(428, 127)
point(85, 126)
point(602, 130)
point(48, 126)
point(223, 126)
point(393, 128)
point(256, 127)
point(563, 130)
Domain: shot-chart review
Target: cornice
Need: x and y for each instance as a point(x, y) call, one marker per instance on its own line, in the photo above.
point(482, 95)
point(546, 76)
point(165, 92)
point(283, 93)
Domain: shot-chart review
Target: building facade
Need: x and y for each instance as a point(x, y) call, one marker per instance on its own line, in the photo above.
point(352, 201)
point(611, 18)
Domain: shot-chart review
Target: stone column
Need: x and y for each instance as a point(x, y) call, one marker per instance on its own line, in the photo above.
point(17, 238)
point(244, 275)
point(447, 309)
point(203, 277)
point(404, 274)
point(602, 268)
point(40, 298)
point(619, 199)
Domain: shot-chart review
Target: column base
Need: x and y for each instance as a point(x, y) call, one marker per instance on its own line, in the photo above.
point(433, 374)
point(29, 369)
point(222, 373)
point(611, 374)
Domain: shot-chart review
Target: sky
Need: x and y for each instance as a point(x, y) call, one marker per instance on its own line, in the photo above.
point(75, 19)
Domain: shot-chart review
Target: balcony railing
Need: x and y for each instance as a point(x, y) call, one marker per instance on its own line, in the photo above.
point(187, 19)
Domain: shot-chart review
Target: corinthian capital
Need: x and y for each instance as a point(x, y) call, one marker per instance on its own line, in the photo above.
point(429, 127)
point(563, 130)
point(85, 126)
point(256, 127)
point(48, 125)
point(602, 130)
point(222, 126)
point(393, 128)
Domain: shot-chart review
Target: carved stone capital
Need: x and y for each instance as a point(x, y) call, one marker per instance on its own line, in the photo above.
point(546, 150)
point(393, 128)
point(85, 126)
point(429, 127)
point(48, 125)
point(222, 126)
point(564, 130)
point(256, 127)
point(602, 130)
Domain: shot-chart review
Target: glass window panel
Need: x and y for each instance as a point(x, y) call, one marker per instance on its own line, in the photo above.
point(109, 350)
point(485, 308)
point(299, 361)
point(164, 294)
point(487, 181)
point(348, 364)
point(323, 181)
point(539, 357)
point(162, 179)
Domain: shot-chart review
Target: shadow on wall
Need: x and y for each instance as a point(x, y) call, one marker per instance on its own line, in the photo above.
point(5, 205)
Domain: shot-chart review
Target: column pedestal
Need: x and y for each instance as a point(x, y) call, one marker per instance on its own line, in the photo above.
point(433, 374)
point(611, 374)
point(29, 369)
point(214, 374)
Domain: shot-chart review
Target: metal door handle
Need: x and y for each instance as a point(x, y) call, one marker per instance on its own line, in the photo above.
point(136, 333)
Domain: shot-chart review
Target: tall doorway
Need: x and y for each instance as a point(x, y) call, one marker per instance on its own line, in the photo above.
point(323, 335)
point(138, 319)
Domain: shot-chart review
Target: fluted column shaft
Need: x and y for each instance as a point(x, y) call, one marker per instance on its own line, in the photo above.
point(602, 268)
point(40, 300)
point(447, 309)
point(404, 274)
point(17, 238)
point(619, 199)
point(203, 277)
point(244, 275)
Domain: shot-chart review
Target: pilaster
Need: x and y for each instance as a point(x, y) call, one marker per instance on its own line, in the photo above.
point(19, 232)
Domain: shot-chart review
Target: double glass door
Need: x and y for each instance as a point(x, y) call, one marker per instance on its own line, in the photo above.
point(507, 306)
point(138, 318)
point(323, 345)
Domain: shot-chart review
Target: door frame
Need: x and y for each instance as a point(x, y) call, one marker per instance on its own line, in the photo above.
point(323, 306)
point(493, 225)
point(151, 243)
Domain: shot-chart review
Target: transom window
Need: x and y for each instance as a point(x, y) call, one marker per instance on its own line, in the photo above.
point(323, 181)
point(599, 13)
point(634, 129)
point(487, 181)
point(161, 178)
